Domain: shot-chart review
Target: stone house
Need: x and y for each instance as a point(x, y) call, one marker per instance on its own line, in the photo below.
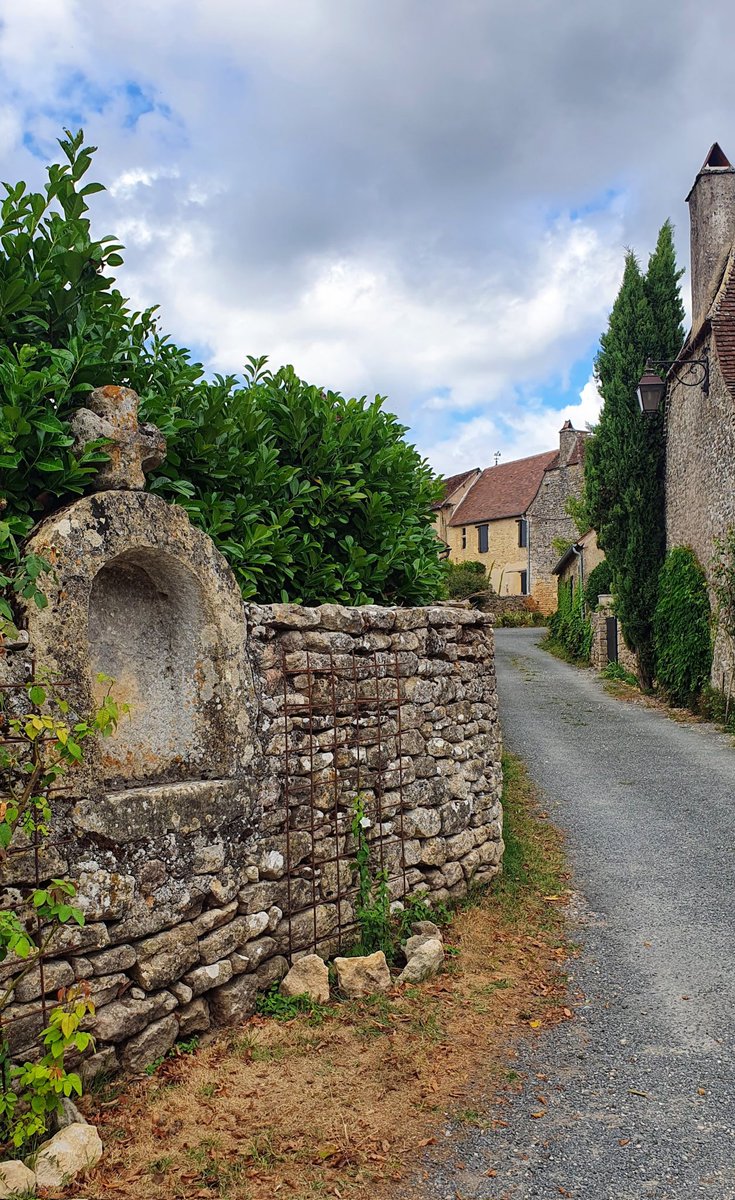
point(456, 488)
point(700, 406)
point(510, 515)
point(548, 519)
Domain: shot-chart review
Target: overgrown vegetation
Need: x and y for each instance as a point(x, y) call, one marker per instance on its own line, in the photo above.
point(44, 747)
point(682, 635)
point(615, 671)
point(569, 627)
point(599, 583)
point(624, 461)
point(310, 495)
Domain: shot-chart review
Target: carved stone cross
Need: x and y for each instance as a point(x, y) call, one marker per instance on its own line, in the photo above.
point(112, 412)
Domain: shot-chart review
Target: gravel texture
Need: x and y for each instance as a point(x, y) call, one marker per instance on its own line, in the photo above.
point(639, 1088)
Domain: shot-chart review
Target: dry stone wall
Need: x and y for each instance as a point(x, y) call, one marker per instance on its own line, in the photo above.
point(198, 891)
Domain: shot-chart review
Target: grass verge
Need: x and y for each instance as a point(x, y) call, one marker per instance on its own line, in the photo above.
point(342, 1105)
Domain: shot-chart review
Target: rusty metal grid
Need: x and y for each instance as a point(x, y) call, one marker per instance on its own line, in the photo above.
point(14, 889)
point(357, 722)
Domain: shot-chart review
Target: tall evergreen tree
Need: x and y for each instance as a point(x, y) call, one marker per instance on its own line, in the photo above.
point(624, 465)
point(664, 297)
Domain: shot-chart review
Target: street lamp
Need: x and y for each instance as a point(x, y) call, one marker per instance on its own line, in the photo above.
point(651, 387)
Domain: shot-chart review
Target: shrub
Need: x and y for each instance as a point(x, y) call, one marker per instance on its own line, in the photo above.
point(311, 496)
point(682, 634)
point(466, 579)
point(568, 625)
point(599, 583)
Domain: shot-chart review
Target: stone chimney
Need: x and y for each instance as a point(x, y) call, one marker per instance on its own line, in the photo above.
point(567, 441)
point(712, 221)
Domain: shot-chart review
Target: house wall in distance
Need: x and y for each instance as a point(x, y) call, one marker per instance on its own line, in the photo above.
point(504, 558)
point(700, 479)
point(547, 520)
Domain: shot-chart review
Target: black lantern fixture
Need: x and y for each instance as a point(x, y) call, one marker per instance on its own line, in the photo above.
point(652, 388)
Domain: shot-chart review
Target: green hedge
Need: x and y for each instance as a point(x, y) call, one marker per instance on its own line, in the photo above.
point(682, 627)
point(311, 496)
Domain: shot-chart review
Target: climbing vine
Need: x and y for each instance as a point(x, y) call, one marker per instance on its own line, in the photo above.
point(682, 627)
point(42, 744)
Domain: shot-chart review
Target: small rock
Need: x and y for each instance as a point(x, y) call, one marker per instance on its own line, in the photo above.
point(68, 1114)
point(426, 929)
point(65, 1155)
point(308, 977)
point(414, 944)
point(424, 961)
point(16, 1179)
point(364, 976)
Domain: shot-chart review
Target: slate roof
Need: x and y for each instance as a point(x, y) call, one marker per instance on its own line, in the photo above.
point(452, 483)
point(503, 491)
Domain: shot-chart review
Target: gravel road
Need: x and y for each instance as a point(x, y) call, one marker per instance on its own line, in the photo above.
point(640, 1087)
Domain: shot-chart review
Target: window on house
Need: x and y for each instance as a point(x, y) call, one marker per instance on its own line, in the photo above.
point(483, 540)
point(522, 532)
point(524, 583)
point(464, 537)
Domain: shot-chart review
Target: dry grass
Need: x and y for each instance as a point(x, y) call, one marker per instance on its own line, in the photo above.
point(339, 1108)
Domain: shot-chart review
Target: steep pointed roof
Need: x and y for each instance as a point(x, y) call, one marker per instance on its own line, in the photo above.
point(715, 161)
point(715, 158)
point(503, 491)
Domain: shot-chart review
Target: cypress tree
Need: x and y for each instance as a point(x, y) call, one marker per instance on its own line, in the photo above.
point(624, 461)
point(664, 297)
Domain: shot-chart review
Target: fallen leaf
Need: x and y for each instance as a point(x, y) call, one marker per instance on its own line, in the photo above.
point(623, 1141)
point(535, 1024)
point(537, 1115)
point(701, 1092)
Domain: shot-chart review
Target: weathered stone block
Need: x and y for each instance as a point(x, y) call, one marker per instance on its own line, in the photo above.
point(363, 976)
point(421, 823)
point(153, 1042)
point(55, 975)
point(165, 957)
point(203, 979)
point(124, 1018)
point(308, 977)
point(193, 1018)
point(213, 918)
point(234, 1002)
point(228, 938)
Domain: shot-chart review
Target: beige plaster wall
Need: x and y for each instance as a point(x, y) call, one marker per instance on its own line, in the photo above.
point(504, 558)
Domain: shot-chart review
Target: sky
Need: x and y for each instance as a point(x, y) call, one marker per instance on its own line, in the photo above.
point(422, 199)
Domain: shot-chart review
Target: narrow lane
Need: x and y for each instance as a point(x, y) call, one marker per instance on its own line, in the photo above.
point(641, 1086)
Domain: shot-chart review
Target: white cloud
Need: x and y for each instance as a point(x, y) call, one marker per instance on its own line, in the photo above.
point(364, 189)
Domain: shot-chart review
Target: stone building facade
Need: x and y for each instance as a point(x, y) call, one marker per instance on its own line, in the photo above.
point(700, 419)
point(548, 519)
point(211, 836)
point(512, 513)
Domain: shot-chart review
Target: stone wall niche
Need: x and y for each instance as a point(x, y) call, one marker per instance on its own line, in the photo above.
point(139, 595)
point(148, 628)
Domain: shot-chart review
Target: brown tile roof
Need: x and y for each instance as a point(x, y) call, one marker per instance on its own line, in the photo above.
point(503, 491)
point(452, 483)
point(577, 455)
